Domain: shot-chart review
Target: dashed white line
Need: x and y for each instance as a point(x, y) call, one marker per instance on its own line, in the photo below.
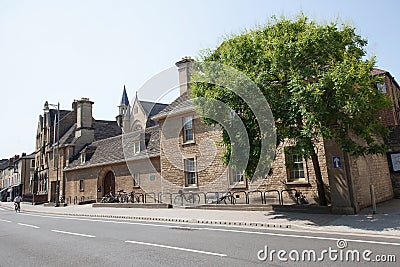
point(244, 231)
point(71, 233)
point(177, 248)
point(2, 209)
point(29, 225)
point(1, 220)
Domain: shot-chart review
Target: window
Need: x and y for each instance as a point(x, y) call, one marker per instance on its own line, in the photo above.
point(135, 110)
point(152, 177)
point(32, 163)
point(190, 172)
point(83, 158)
point(137, 147)
point(81, 185)
point(237, 177)
point(295, 166)
point(381, 88)
point(187, 129)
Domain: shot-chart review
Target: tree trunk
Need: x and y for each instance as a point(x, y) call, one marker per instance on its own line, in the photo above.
point(318, 176)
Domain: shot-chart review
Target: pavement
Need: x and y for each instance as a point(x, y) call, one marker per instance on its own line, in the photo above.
point(386, 222)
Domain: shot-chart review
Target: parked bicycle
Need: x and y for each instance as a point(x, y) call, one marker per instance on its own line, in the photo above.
point(136, 197)
point(300, 198)
point(185, 198)
point(109, 198)
point(122, 196)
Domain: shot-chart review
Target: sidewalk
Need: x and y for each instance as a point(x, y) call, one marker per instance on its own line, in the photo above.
point(385, 222)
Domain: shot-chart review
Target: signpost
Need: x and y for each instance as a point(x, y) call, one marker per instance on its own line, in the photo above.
point(337, 162)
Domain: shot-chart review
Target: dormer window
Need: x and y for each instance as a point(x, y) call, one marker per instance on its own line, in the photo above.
point(83, 158)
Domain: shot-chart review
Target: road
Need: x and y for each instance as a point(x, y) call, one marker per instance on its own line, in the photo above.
point(31, 239)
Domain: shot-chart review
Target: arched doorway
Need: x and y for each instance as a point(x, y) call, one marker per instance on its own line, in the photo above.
point(109, 183)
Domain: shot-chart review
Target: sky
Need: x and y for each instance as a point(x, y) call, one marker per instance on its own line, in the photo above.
point(58, 51)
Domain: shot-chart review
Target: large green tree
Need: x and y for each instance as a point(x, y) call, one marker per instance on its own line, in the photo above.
point(317, 81)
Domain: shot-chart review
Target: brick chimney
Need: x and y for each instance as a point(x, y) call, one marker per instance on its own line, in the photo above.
point(184, 66)
point(84, 120)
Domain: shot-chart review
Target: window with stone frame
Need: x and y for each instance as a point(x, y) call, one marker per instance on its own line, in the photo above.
point(190, 172)
point(188, 129)
point(237, 177)
point(81, 185)
point(294, 166)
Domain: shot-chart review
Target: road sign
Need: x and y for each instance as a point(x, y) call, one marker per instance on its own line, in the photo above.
point(337, 163)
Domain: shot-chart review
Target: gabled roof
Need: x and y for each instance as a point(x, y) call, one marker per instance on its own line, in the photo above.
point(105, 129)
point(376, 71)
point(152, 108)
point(181, 104)
point(102, 130)
point(3, 164)
point(111, 150)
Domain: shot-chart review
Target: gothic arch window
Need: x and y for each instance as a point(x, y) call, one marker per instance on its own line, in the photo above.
point(136, 126)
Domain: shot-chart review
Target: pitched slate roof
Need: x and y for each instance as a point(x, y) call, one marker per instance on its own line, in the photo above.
point(152, 108)
point(3, 164)
point(117, 149)
point(105, 129)
point(181, 104)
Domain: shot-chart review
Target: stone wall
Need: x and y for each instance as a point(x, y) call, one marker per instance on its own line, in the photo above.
point(206, 149)
point(278, 180)
point(93, 177)
point(370, 170)
point(394, 146)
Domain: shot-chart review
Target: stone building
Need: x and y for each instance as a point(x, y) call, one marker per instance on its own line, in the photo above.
point(166, 148)
point(60, 140)
point(125, 162)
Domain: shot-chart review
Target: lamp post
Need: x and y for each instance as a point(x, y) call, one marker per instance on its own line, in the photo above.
point(47, 110)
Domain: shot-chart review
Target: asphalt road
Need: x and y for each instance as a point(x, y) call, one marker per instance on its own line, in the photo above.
point(28, 239)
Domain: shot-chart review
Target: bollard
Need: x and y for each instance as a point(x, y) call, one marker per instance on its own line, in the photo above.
point(373, 200)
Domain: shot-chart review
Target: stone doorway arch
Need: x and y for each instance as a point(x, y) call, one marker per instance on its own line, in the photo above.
point(109, 183)
point(105, 182)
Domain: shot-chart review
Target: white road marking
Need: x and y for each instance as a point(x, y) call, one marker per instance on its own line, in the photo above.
point(246, 232)
point(29, 225)
point(70, 233)
point(1, 220)
point(177, 248)
point(2, 209)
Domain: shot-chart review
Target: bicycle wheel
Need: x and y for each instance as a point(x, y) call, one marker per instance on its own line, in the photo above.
point(229, 199)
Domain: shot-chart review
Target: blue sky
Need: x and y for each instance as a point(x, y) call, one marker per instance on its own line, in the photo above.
point(65, 50)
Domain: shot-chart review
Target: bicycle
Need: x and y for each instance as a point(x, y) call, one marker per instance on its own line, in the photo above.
point(226, 198)
point(17, 207)
point(136, 197)
point(184, 198)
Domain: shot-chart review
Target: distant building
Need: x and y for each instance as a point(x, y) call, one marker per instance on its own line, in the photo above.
point(16, 176)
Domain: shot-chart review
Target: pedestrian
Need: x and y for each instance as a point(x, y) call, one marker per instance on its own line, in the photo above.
point(17, 203)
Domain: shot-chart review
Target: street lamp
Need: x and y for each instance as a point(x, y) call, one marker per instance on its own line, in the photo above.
point(47, 110)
